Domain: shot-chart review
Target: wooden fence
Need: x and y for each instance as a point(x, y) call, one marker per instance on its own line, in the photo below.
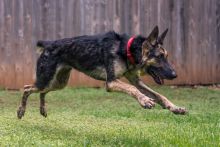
point(193, 41)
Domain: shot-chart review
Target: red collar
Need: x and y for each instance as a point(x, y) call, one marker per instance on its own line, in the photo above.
point(129, 55)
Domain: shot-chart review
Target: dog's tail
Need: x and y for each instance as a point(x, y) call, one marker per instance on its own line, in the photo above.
point(41, 45)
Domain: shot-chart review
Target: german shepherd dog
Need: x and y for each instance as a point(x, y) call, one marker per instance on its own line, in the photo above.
point(106, 57)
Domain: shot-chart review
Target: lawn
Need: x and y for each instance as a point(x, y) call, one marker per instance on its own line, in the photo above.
point(93, 117)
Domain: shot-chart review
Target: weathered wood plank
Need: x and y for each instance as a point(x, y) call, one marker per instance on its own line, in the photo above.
point(9, 66)
point(27, 49)
point(2, 47)
point(19, 43)
point(217, 40)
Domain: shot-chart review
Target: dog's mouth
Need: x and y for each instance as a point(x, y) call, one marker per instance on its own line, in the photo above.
point(156, 76)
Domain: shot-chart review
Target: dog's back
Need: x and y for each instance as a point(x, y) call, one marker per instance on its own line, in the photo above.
point(89, 54)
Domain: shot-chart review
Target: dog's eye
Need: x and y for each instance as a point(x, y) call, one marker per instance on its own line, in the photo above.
point(160, 56)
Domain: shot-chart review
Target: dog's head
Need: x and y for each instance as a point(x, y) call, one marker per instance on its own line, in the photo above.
point(154, 57)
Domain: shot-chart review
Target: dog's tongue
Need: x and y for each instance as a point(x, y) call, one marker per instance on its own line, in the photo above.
point(158, 80)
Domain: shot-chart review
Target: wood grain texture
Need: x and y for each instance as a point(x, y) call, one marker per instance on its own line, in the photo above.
point(193, 40)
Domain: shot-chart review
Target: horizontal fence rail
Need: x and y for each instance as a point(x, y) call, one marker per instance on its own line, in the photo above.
point(193, 40)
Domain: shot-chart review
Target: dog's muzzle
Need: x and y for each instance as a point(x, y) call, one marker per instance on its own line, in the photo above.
point(159, 74)
point(156, 75)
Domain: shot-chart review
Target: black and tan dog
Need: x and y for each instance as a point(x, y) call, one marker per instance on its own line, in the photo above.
point(107, 57)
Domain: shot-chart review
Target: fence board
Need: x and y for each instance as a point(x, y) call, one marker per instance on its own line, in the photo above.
point(193, 41)
point(2, 43)
point(217, 38)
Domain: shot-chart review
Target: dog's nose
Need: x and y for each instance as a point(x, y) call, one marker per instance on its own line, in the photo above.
point(174, 75)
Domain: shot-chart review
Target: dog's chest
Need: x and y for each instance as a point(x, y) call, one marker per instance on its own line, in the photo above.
point(120, 67)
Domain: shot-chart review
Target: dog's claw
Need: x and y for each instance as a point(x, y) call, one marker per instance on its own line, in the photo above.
point(43, 111)
point(178, 110)
point(20, 112)
point(146, 103)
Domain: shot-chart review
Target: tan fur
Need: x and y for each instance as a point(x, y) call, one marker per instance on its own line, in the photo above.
point(118, 85)
point(119, 67)
point(163, 51)
point(28, 89)
point(60, 78)
point(160, 99)
point(39, 50)
point(151, 62)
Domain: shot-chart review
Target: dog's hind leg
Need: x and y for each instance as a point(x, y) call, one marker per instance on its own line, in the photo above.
point(42, 104)
point(58, 81)
point(28, 90)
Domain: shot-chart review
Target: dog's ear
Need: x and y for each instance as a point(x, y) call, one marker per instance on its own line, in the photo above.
point(152, 38)
point(146, 46)
point(162, 36)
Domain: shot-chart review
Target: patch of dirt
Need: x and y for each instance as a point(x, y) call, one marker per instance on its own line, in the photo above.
point(210, 86)
point(215, 87)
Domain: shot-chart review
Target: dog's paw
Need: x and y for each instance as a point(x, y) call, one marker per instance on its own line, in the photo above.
point(43, 111)
point(178, 110)
point(20, 112)
point(146, 102)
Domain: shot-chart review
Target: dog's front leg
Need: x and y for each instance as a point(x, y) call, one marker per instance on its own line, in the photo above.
point(118, 85)
point(160, 99)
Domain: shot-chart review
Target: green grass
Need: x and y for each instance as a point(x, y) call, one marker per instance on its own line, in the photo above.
point(93, 117)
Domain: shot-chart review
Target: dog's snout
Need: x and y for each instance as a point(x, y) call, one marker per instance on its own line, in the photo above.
point(174, 75)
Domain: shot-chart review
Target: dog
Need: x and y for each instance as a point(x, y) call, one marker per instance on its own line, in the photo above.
point(106, 57)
